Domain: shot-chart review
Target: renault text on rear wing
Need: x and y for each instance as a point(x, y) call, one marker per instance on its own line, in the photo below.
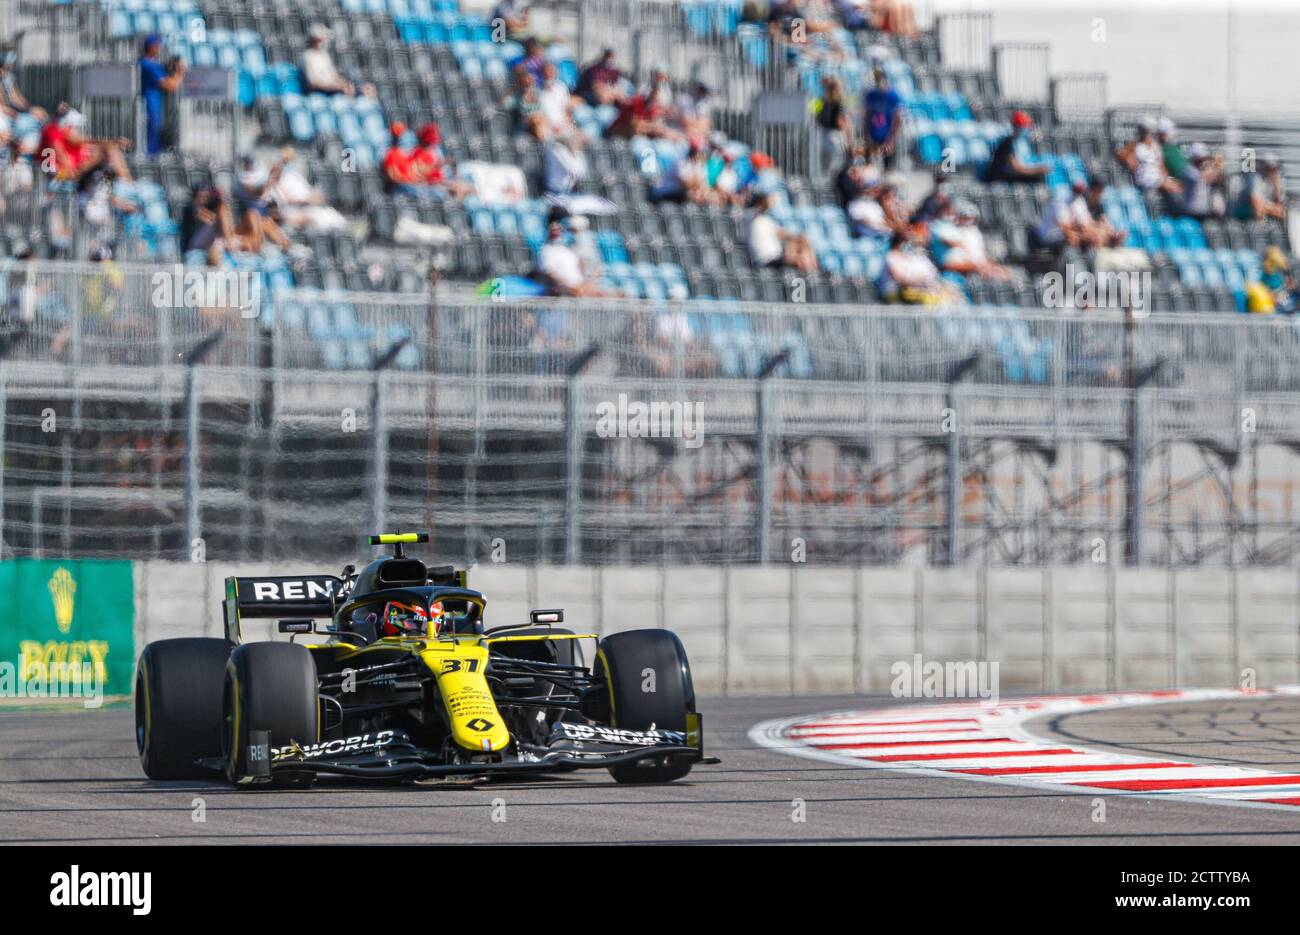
point(289, 596)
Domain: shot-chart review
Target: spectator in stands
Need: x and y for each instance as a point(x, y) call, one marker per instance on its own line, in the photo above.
point(1277, 278)
point(555, 101)
point(771, 246)
point(1014, 159)
point(1263, 193)
point(532, 61)
point(958, 244)
point(527, 107)
point(1076, 220)
point(693, 111)
point(431, 167)
point(883, 120)
point(301, 205)
point(253, 193)
point(99, 202)
point(564, 164)
point(1171, 152)
point(399, 167)
point(319, 75)
point(584, 244)
point(1098, 231)
point(685, 180)
point(937, 202)
point(1201, 178)
point(765, 178)
point(71, 155)
point(206, 225)
point(601, 82)
point(1144, 158)
point(12, 100)
point(789, 20)
point(834, 121)
point(561, 267)
point(513, 16)
point(722, 177)
point(894, 16)
point(910, 277)
point(647, 113)
point(156, 82)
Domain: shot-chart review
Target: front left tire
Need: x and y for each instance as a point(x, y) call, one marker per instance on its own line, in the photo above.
point(268, 687)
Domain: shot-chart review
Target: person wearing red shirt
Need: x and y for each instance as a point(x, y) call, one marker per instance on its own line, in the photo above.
point(645, 114)
point(65, 152)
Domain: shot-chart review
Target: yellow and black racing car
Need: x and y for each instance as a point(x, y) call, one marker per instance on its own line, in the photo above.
point(410, 684)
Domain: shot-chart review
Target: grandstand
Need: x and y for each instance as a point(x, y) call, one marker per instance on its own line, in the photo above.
point(584, 227)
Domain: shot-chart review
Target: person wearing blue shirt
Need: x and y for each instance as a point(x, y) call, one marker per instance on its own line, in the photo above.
point(882, 104)
point(156, 82)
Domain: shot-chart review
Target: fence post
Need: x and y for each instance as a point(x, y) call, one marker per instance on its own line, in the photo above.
point(952, 489)
point(192, 515)
point(573, 450)
point(378, 454)
point(763, 461)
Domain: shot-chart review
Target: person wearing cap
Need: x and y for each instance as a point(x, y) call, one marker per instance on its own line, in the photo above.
point(1263, 193)
point(1143, 157)
point(156, 82)
point(1014, 159)
point(74, 154)
point(398, 165)
point(601, 82)
point(1170, 151)
point(1200, 180)
point(958, 244)
point(319, 76)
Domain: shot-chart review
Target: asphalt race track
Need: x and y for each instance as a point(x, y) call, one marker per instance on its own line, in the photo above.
point(73, 777)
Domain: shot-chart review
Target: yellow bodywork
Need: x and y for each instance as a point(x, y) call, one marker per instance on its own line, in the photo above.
point(459, 664)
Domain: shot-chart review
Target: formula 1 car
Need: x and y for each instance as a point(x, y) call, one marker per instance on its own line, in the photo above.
point(409, 685)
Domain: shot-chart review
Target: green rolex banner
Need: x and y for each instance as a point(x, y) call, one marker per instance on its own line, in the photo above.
point(67, 628)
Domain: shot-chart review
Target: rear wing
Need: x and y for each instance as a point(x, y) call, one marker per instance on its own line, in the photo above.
point(293, 596)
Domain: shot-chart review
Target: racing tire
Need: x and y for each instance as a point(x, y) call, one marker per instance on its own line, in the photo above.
point(268, 687)
point(178, 706)
point(622, 661)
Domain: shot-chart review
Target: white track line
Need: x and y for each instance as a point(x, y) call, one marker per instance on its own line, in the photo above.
point(988, 743)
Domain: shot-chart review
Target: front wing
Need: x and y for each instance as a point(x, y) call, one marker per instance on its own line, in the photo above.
point(392, 755)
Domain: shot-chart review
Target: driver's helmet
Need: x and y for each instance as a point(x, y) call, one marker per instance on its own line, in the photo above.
point(405, 619)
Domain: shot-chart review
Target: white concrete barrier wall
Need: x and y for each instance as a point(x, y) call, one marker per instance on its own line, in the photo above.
point(801, 628)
